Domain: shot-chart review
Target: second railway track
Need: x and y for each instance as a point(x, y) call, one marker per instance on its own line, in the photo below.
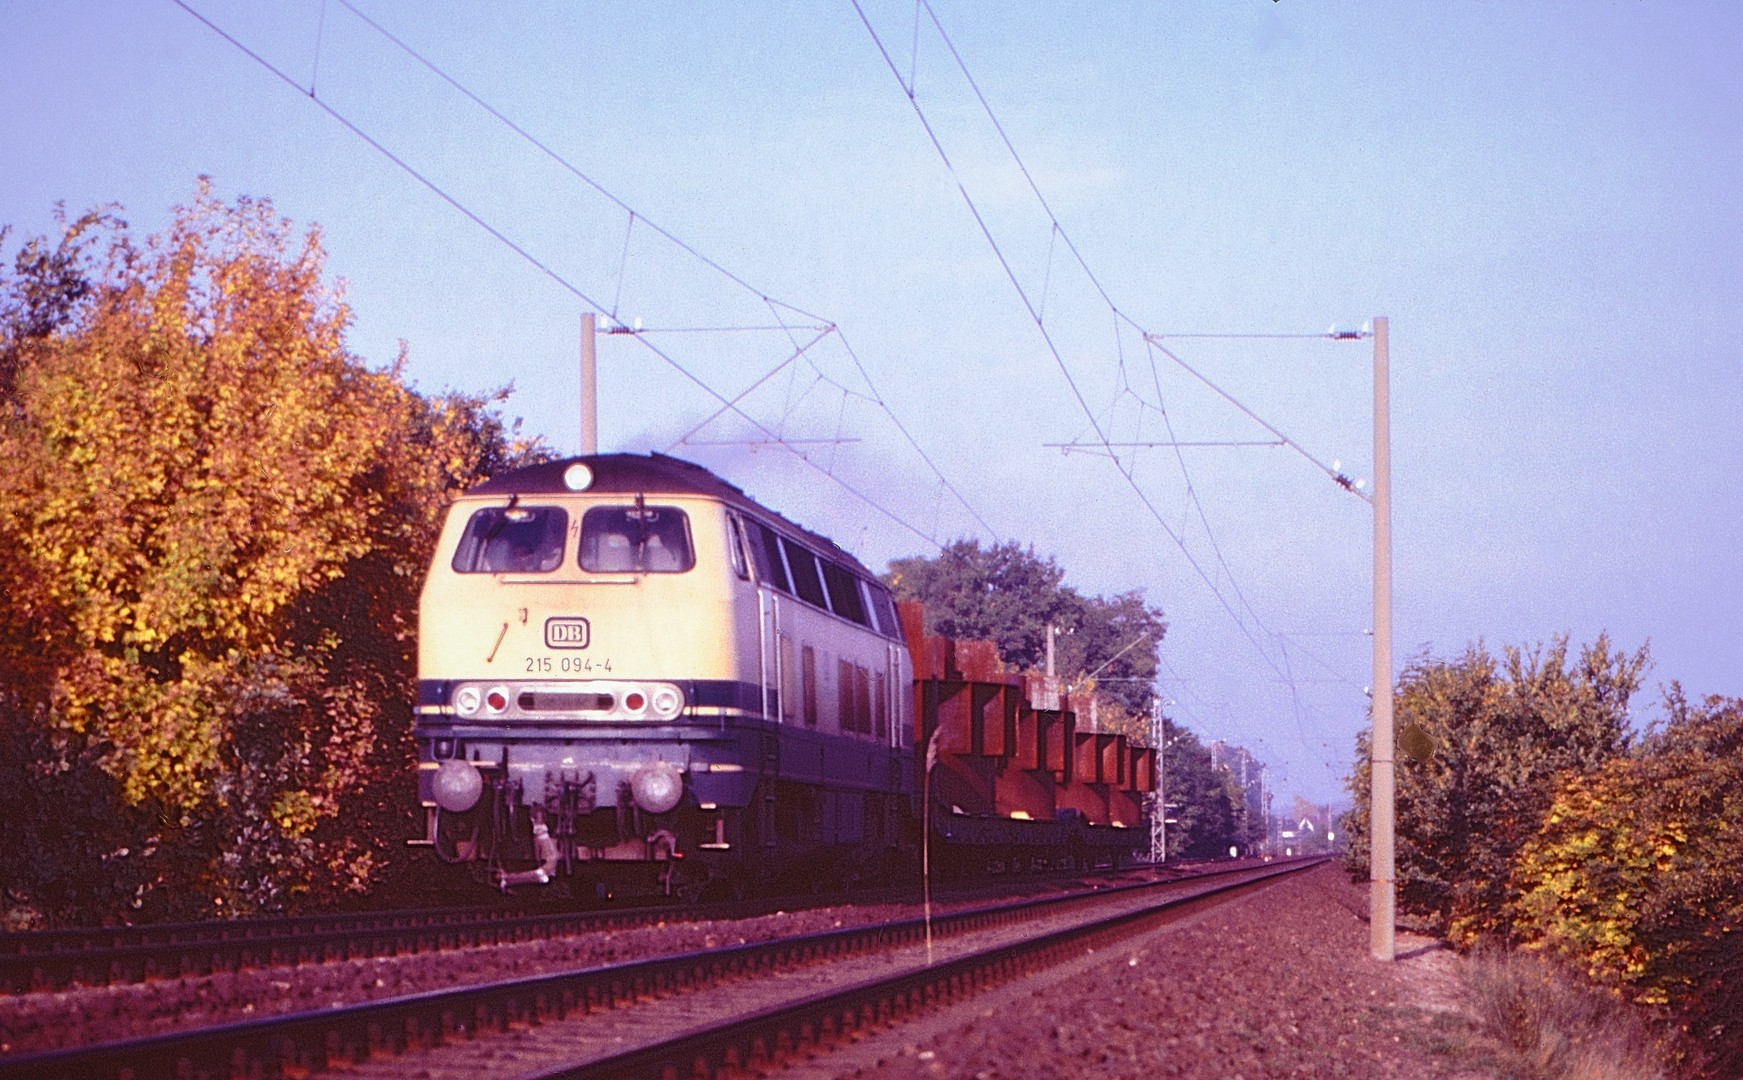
point(806, 990)
point(46, 960)
point(35, 961)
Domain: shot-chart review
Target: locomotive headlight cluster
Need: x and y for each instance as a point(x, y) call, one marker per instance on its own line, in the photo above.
point(603, 700)
point(578, 477)
point(659, 701)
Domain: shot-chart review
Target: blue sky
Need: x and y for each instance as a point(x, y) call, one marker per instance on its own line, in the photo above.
point(1543, 199)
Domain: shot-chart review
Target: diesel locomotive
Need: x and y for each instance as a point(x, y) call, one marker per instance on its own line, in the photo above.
point(633, 677)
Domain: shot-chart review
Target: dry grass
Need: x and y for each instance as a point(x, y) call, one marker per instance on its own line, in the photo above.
point(1557, 1026)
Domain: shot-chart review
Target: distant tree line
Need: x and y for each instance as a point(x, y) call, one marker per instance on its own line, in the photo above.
point(216, 520)
point(1107, 648)
point(1540, 822)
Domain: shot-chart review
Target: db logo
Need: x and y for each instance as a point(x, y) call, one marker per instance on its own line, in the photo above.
point(566, 633)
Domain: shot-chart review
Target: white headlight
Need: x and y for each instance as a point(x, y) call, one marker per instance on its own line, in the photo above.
point(667, 701)
point(466, 700)
point(578, 477)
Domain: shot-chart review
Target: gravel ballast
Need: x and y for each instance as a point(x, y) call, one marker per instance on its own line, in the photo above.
point(32, 1023)
point(1275, 983)
point(1278, 983)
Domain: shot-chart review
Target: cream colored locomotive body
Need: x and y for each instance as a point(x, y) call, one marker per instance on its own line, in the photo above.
point(626, 663)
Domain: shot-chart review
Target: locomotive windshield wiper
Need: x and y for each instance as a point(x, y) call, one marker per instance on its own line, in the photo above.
point(641, 530)
point(501, 523)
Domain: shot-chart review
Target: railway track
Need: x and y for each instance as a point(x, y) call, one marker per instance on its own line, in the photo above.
point(807, 991)
point(47, 960)
point(44, 960)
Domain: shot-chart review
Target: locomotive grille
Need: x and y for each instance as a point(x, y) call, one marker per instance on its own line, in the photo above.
point(556, 701)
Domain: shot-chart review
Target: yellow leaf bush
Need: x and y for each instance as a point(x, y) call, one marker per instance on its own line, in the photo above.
point(1635, 874)
point(216, 519)
point(1507, 729)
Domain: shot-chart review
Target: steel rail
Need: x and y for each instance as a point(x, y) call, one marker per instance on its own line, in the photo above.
point(52, 959)
point(41, 960)
point(306, 1042)
point(761, 1040)
point(45, 960)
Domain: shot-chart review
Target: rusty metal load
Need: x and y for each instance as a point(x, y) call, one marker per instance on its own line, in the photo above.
point(1002, 756)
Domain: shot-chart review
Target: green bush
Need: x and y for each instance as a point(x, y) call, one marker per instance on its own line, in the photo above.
point(1506, 731)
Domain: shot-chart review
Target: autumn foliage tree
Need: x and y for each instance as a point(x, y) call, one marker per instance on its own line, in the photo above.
point(1508, 732)
point(1635, 874)
point(216, 520)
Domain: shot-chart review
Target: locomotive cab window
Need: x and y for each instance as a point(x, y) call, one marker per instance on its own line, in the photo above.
point(512, 540)
point(636, 539)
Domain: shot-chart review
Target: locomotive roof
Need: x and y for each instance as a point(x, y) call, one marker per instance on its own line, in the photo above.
point(655, 474)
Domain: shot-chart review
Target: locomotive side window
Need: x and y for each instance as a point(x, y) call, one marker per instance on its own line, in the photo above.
point(843, 593)
point(636, 539)
point(765, 549)
point(886, 609)
point(805, 580)
point(735, 540)
point(870, 606)
point(512, 540)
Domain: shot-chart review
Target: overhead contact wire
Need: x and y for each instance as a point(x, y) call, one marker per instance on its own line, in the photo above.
point(546, 270)
point(558, 158)
point(1083, 264)
point(1047, 337)
point(596, 186)
point(1192, 493)
point(1059, 232)
point(1267, 425)
point(391, 156)
point(747, 391)
point(573, 289)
